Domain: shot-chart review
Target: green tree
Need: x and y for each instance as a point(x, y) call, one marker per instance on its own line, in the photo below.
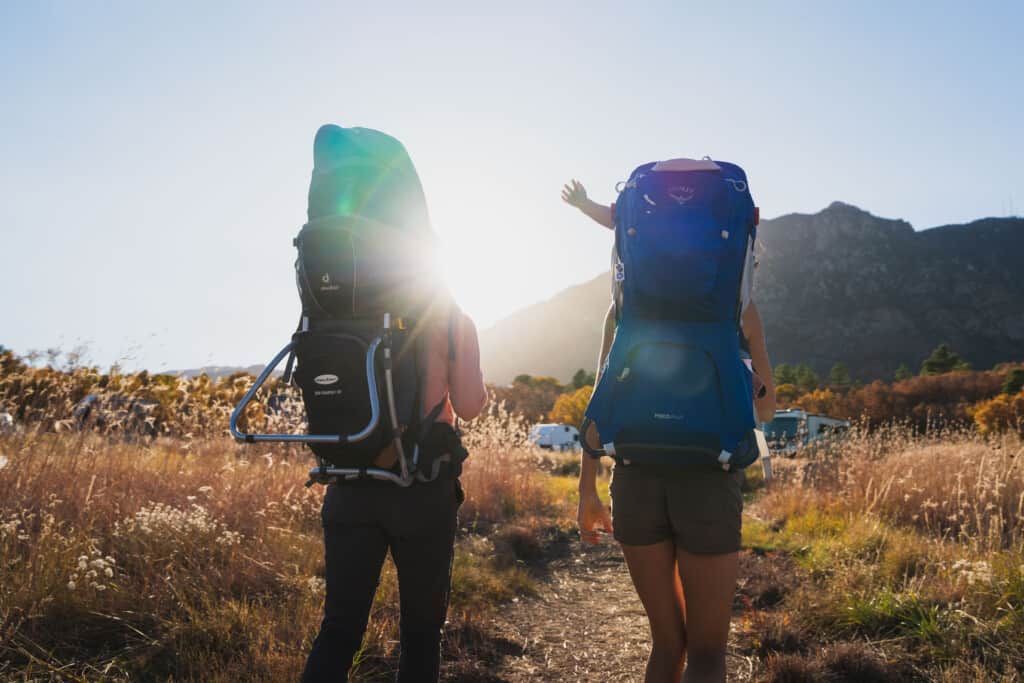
point(1014, 381)
point(806, 378)
point(784, 374)
point(943, 360)
point(581, 379)
point(523, 379)
point(903, 372)
point(839, 375)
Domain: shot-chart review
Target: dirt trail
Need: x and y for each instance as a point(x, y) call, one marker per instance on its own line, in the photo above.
point(585, 624)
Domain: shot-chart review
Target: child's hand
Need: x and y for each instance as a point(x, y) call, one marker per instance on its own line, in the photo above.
point(574, 194)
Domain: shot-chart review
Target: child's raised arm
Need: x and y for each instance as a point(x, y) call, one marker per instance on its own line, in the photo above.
point(575, 194)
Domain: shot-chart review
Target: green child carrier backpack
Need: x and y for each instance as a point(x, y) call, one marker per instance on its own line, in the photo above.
point(366, 287)
point(674, 389)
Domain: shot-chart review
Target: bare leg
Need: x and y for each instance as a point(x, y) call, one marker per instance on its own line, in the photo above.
point(653, 570)
point(709, 582)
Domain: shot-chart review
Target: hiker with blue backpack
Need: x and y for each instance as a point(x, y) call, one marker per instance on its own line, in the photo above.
point(679, 383)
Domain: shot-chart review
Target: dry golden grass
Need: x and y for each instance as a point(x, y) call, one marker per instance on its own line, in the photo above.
point(957, 485)
point(910, 544)
point(182, 559)
point(183, 556)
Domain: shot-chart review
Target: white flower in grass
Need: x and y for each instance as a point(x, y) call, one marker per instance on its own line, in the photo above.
point(71, 585)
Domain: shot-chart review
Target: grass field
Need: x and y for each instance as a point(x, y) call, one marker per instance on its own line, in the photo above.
point(202, 560)
point(181, 559)
point(902, 553)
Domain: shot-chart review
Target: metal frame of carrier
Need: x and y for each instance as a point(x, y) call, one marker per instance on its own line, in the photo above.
point(324, 472)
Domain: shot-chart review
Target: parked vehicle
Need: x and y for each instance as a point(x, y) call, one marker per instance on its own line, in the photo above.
point(557, 437)
point(789, 430)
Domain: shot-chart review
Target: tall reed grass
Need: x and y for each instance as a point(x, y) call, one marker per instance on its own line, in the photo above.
point(198, 559)
point(911, 543)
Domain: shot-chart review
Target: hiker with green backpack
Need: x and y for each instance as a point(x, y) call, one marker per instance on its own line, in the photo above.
point(405, 492)
point(384, 360)
point(675, 400)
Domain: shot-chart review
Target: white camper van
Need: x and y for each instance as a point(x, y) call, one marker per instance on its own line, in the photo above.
point(557, 437)
point(791, 429)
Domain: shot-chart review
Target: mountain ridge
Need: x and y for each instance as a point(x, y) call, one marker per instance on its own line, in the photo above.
point(839, 285)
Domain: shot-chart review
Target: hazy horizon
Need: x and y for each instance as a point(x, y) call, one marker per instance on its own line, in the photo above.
point(157, 157)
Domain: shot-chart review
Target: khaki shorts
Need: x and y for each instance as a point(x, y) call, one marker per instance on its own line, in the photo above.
point(699, 508)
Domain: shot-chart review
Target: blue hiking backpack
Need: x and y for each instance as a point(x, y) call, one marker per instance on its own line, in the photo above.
point(674, 388)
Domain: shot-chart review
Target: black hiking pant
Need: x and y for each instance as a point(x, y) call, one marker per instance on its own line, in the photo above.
point(362, 521)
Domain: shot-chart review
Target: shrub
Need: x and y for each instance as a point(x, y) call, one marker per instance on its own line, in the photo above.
point(1014, 382)
point(1000, 414)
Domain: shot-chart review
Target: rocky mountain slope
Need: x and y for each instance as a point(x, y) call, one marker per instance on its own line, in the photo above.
point(838, 285)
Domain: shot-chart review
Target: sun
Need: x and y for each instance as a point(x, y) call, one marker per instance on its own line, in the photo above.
point(470, 276)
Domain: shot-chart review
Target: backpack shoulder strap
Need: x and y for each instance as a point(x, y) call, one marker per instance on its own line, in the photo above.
point(289, 367)
point(423, 427)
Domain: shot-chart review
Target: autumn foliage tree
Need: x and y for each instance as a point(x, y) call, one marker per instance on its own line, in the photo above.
point(1005, 412)
point(570, 406)
point(531, 397)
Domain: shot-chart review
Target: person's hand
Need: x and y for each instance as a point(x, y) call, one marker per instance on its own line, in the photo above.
point(574, 194)
point(591, 516)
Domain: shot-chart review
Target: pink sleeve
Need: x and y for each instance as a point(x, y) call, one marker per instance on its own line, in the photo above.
point(465, 378)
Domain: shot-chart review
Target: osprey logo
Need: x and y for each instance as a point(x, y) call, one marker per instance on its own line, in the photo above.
point(667, 416)
point(681, 193)
point(326, 278)
point(325, 380)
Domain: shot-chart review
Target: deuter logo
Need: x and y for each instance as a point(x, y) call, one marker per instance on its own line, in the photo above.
point(325, 380)
point(667, 416)
point(327, 286)
point(681, 193)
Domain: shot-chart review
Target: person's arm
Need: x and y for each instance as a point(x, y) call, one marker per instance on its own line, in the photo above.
point(575, 194)
point(465, 378)
point(592, 513)
point(753, 330)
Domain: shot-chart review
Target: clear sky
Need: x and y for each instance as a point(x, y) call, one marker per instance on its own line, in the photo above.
point(154, 157)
